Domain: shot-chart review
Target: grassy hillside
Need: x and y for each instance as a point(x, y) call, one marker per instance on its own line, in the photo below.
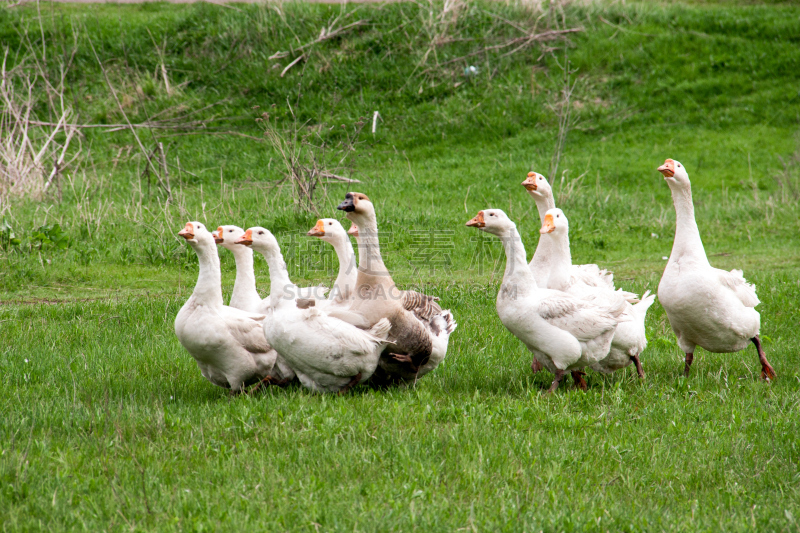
point(108, 423)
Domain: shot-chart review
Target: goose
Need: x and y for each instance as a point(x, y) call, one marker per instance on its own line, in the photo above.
point(332, 232)
point(245, 296)
point(565, 333)
point(228, 344)
point(541, 192)
point(420, 328)
point(327, 354)
point(706, 306)
point(629, 339)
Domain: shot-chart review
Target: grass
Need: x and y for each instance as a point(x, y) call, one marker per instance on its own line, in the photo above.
point(107, 422)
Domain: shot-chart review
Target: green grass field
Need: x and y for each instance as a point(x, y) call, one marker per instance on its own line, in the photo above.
point(107, 423)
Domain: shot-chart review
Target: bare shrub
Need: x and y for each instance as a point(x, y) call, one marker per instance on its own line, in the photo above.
point(310, 162)
point(33, 149)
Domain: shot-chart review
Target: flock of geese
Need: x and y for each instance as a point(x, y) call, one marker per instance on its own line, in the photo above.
point(366, 330)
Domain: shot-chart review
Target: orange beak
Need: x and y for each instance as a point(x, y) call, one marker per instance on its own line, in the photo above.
point(530, 182)
point(218, 235)
point(548, 226)
point(187, 232)
point(668, 168)
point(318, 230)
point(478, 221)
point(246, 239)
point(353, 230)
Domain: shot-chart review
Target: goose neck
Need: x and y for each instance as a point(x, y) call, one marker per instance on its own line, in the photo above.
point(517, 271)
point(348, 269)
point(543, 204)
point(245, 285)
point(280, 286)
point(370, 260)
point(208, 289)
point(561, 260)
point(687, 235)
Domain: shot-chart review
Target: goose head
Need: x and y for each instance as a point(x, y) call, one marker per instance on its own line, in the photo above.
point(555, 222)
point(493, 221)
point(196, 233)
point(260, 240)
point(353, 230)
point(674, 173)
point(537, 185)
point(328, 230)
point(227, 236)
point(357, 206)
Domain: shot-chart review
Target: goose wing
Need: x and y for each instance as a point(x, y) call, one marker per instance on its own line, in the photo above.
point(246, 328)
point(734, 280)
point(583, 318)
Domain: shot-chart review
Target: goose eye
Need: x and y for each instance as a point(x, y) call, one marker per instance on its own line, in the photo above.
point(230, 231)
point(261, 233)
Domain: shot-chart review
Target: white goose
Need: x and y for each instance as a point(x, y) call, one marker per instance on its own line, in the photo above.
point(420, 328)
point(629, 339)
point(332, 232)
point(227, 343)
point(706, 306)
point(245, 296)
point(328, 354)
point(541, 263)
point(565, 333)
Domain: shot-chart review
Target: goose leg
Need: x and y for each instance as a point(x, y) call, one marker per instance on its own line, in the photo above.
point(689, 359)
point(577, 377)
point(556, 380)
point(536, 366)
point(635, 359)
point(767, 372)
point(269, 380)
point(352, 383)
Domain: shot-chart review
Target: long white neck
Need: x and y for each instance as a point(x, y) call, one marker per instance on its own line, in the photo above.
point(560, 260)
point(544, 203)
point(280, 286)
point(244, 295)
point(517, 276)
point(687, 236)
point(208, 289)
point(345, 282)
point(540, 262)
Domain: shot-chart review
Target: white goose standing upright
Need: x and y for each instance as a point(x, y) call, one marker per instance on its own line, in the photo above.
point(541, 263)
point(706, 306)
point(246, 297)
point(227, 343)
point(629, 339)
point(565, 333)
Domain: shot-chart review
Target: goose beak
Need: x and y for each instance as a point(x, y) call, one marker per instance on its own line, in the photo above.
point(353, 230)
point(318, 230)
point(348, 206)
point(668, 168)
point(530, 182)
point(246, 239)
point(548, 226)
point(478, 221)
point(218, 235)
point(187, 232)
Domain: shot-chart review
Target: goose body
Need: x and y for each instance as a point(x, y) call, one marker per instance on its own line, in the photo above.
point(565, 333)
point(227, 343)
point(326, 353)
point(420, 328)
point(706, 306)
point(629, 339)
